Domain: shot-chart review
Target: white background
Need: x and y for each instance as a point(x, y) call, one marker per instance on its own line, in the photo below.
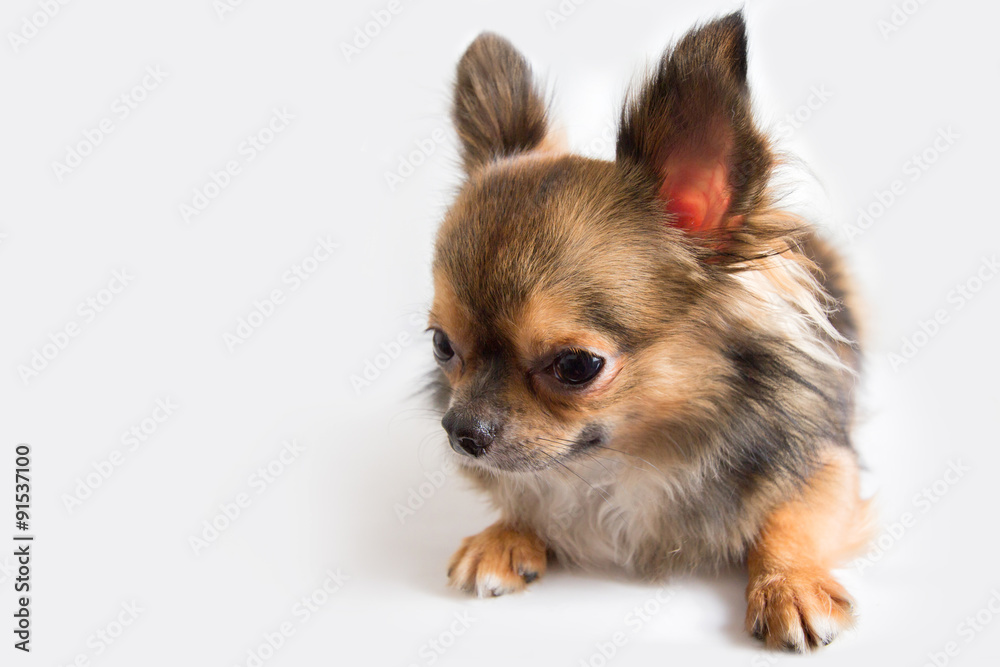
point(335, 506)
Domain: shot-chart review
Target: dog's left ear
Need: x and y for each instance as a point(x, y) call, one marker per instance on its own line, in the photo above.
point(691, 126)
point(497, 108)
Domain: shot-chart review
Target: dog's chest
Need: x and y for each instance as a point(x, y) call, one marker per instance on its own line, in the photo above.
point(612, 519)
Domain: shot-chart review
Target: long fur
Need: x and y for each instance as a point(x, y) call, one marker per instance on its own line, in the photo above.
point(737, 347)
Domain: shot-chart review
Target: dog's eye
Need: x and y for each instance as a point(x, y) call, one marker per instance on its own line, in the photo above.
point(576, 367)
point(442, 346)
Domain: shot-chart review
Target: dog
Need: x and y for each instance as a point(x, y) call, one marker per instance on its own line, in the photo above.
point(646, 363)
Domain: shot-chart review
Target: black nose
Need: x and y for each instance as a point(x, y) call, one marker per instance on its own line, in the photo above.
point(466, 434)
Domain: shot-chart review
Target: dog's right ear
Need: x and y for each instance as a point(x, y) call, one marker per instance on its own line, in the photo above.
point(497, 109)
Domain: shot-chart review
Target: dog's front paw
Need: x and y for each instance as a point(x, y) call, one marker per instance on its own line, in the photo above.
point(797, 611)
point(496, 561)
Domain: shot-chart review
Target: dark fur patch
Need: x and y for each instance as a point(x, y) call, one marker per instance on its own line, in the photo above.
point(496, 109)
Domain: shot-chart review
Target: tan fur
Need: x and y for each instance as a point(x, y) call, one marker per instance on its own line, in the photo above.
point(713, 428)
point(793, 600)
point(680, 373)
point(501, 559)
point(548, 323)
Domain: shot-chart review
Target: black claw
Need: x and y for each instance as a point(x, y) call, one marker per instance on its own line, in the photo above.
point(792, 647)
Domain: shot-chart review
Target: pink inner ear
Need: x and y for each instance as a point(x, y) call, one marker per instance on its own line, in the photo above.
point(697, 193)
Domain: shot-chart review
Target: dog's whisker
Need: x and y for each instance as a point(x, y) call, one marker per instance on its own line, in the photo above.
point(603, 494)
point(570, 448)
point(574, 452)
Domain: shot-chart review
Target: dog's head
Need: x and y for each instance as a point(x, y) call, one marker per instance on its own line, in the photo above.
point(578, 299)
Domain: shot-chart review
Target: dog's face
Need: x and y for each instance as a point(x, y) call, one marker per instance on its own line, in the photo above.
point(553, 280)
point(575, 298)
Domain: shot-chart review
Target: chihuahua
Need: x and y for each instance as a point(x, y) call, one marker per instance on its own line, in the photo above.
point(645, 363)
